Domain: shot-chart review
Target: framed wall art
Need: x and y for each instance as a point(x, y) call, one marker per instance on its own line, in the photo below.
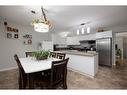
point(12, 33)
point(27, 39)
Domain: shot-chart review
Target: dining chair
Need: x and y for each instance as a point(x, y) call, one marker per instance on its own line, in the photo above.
point(57, 78)
point(53, 54)
point(61, 55)
point(28, 54)
point(22, 76)
point(43, 73)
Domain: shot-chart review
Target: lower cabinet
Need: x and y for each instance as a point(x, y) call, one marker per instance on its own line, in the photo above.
point(86, 65)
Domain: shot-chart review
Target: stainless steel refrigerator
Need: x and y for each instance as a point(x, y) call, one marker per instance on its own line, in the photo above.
point(104, 48)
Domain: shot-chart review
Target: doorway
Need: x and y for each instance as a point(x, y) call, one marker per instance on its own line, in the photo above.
point(125, 48)
point(121, 48)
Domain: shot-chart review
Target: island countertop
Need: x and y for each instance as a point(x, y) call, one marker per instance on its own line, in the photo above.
point(75, 52)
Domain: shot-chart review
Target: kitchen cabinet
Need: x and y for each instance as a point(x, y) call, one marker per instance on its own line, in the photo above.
point(88, 37)
point(106, 34)
point(47, 45)
point(76, 39)
point(57, 39)
point(73, 41)
point(86, 65)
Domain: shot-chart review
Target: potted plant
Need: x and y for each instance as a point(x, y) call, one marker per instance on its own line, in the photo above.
point(118, 53)
point(41, 55)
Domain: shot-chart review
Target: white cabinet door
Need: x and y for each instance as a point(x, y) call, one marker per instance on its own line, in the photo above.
point(75, 40)
point(57, 39)
point(72, 41)
point(47, 45)
point(105, 34)
point(88, 37)
point(69, 41)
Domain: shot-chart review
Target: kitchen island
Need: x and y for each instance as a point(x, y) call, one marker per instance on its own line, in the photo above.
point(85, 63)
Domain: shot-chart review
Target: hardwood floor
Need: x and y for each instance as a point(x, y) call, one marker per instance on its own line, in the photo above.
point(107, 78)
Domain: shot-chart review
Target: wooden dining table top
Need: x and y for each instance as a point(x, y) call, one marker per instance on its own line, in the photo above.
point(31, 65)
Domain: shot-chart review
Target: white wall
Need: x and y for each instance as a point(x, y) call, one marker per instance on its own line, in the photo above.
point(9, 47)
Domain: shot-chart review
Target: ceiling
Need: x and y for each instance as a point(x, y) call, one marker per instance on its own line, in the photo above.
point(67, 18)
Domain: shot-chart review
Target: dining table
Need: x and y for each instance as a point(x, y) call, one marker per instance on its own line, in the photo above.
point(31, 65)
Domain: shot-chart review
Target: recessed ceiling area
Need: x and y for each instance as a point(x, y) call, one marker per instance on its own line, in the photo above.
point(66, 18)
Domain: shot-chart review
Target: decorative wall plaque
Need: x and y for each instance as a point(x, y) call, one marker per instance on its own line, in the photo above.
point(27, 39)
point(12, 33)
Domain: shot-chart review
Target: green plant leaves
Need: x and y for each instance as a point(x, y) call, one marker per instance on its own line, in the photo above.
point(42, 53)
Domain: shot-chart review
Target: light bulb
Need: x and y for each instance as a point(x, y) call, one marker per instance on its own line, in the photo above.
point(82, 31)
point(88, 29)
point(41, 27)
point(77, 31)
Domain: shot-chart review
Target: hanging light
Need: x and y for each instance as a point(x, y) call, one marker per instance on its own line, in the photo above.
point(82, 30)
point(88, 29)
point(41, 25)
point(78, 31)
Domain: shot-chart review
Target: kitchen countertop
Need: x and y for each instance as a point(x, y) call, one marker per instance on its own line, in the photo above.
point(75, 52)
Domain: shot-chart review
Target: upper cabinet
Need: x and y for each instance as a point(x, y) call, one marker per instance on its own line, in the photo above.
point(72, 41)
point(106, 34)
point(76, 39)
point(57, 39)
point(88, 37)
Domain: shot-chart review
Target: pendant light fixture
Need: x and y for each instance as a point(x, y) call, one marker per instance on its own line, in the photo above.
point(88, 29)
point(78, 31)
point(41, 25)
point(81, 29)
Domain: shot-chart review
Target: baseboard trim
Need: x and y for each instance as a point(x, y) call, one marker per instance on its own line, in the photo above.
point(6, 69)
point(81, 72)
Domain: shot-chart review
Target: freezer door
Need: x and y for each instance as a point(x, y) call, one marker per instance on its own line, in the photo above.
point(104, 48)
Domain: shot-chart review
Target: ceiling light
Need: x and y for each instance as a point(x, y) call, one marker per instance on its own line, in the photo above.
point(41, 25)
point(83, 27)
point(88, 29)
point(82, 30)
point(77, 31)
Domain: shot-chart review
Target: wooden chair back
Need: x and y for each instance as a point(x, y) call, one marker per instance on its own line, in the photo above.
point(28, 54)
point(22, 75)
point(59, 73)
point(53, 54)
point(18, 63)
point(61, 55)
